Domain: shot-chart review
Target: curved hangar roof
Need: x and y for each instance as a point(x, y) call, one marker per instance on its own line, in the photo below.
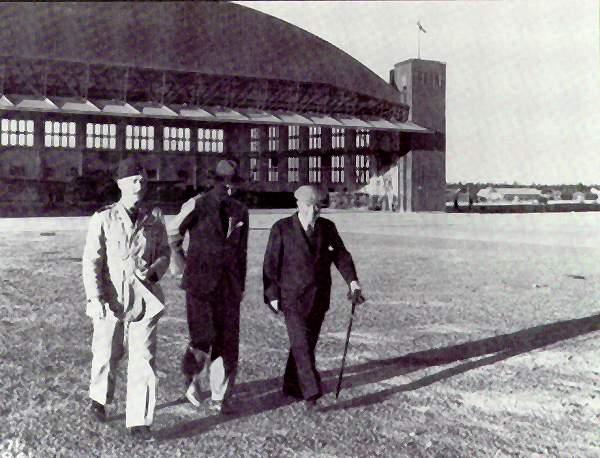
point(204, 37)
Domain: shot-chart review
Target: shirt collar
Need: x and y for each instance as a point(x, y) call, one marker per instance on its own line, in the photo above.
point(304, 223)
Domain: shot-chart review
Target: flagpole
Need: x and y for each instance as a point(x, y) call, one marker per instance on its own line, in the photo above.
point(418, 43)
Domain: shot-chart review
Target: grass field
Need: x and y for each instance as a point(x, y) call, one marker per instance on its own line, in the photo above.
point(480, 338)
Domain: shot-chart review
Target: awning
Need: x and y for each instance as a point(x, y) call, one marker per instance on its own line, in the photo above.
point(5, 103)
point(324, 120)
point(75, 104)
point(203, 113)
point(353, 123)
point(153, 109)
point(259, 116)
point(33, 103)
point(380, 123)
point(410, 126)
point(115, 107)
point(186, 111)
point(225, 114)
point(293, 118)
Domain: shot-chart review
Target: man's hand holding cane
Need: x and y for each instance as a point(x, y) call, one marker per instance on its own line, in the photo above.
point(355, 296)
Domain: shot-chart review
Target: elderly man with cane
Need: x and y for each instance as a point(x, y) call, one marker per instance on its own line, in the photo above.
point(297, 281)
point(126, 253)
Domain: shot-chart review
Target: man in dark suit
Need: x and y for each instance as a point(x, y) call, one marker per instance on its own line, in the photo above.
point(214, 275)
point(297, 281)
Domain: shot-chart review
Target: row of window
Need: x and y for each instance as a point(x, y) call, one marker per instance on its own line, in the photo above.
point(361, 168)
point(141, 138)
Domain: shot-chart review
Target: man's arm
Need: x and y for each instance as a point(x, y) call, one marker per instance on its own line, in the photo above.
point(176, 232)
point(343, 259)
point(272, 266)
point(93, 266)
point(243, 254)
point(162, 252)
point(93, 262)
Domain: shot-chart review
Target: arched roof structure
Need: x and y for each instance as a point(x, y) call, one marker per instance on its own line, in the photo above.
point(213, 47)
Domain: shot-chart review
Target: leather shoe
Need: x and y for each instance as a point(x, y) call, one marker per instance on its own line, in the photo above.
point(311, 404)
point(220, 407)
point(98, 411)
point(192, 395)
point(140, 432)
point(292, 393)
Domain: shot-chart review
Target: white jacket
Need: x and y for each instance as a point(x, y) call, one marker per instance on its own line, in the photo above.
point(114, 249)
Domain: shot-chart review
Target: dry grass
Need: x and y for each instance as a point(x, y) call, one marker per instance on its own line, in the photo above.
point(467, 347)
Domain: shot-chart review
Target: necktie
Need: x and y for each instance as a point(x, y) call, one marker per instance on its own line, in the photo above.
point(223, 217)
point(311, 235)
point(133, 214)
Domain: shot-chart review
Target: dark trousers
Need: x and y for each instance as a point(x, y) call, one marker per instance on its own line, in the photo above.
point(214, 325)
point(301, 378)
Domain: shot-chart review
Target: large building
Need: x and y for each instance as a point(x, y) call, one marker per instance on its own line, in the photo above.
point(183, 84)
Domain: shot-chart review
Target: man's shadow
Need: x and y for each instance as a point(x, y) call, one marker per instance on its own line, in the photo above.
point(260, 396)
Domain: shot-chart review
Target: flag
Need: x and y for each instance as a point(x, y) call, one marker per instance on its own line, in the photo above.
point(421, 27)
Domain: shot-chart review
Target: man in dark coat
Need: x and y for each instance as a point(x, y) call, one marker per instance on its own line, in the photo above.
point(214, 275)
point(297, 281)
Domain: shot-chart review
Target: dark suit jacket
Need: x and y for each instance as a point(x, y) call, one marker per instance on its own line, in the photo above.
point(212, 251)
point(298, 274)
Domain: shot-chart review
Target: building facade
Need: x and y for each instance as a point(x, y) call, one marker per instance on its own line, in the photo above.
point(184, 84)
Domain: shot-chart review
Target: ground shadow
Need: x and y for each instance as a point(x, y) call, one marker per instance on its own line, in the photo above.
point(260, 396)
point(498, 347)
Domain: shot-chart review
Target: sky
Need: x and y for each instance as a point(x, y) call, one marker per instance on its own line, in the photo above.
point(522, 78)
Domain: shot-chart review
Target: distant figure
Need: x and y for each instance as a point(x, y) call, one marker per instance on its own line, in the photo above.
point(126, 254)
point(389, 193)
point(376, 192)
point(214, 276)
point(297, 281)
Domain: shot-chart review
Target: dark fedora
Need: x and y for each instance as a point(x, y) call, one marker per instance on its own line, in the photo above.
point(129, 167)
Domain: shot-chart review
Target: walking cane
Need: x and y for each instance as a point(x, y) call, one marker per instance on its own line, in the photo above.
point(356, 299)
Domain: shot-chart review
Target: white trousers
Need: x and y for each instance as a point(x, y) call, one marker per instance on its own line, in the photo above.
point(220, 379)
point(108, 345)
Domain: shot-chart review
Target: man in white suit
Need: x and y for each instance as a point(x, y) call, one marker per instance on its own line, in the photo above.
point(126, 253)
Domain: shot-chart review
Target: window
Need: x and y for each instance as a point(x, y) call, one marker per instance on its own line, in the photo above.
point(210, 140)
point(273, 138)
point(17, 132)
point(314, 137)
point(293, 137)
point(101, 136)
point(314, 169)
point(254, 176)
point(337, 137)
point(176, 138)
point(139, 138)
point(59, 134)
point(293, 169)
point(362, 168)
point(362, 138)
point(273, 172)
point(255, 139)
point(337, 169)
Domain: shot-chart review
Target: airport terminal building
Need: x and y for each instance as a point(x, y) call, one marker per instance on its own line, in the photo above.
point(184, 84)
